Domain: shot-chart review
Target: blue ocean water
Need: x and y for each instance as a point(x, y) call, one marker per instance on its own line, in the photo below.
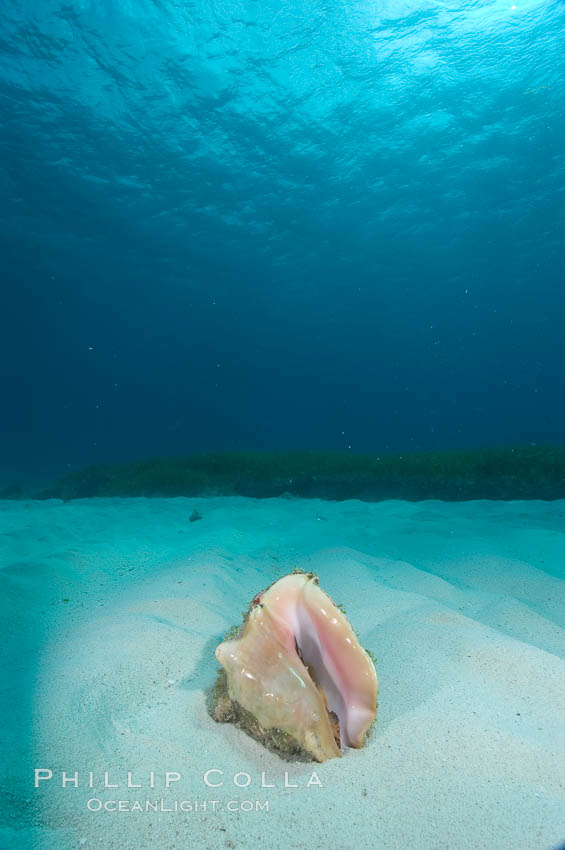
point(238, 225)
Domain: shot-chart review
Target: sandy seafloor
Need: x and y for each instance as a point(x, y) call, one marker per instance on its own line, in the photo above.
point(111, 610)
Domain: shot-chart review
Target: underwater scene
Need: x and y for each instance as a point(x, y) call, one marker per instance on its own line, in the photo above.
point(282, 449)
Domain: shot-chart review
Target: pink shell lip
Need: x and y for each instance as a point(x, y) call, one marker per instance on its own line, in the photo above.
point(257, 598)
point(342, 668)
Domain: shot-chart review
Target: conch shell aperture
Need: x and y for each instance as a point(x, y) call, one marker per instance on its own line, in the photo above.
point(296, 669)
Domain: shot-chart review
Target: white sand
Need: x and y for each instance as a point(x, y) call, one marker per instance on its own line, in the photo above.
point(463, 604)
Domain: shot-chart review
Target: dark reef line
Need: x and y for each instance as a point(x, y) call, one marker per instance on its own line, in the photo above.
point(532, 472)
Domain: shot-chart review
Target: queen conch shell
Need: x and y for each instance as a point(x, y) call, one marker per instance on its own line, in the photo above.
point(297, 667)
